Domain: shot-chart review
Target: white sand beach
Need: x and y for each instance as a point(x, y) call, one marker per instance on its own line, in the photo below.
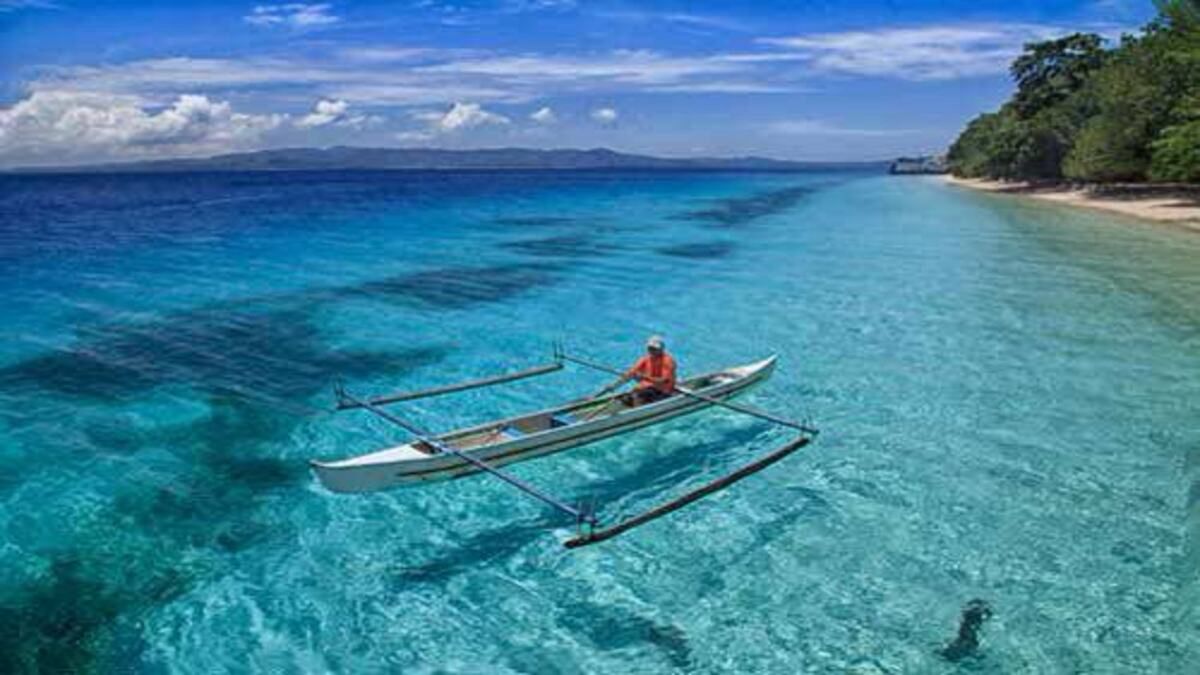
point(1179, 208)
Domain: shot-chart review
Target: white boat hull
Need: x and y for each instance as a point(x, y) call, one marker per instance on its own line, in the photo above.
point(410, 463)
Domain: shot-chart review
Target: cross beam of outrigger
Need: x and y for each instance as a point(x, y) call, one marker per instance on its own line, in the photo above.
point(487, 447)
point(580, 515)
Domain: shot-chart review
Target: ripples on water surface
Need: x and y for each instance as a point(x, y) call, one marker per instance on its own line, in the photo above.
point(1008, 394)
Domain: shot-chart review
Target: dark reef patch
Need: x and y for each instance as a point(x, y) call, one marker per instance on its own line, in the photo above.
point(70, 621)
point(450, 288)
point(707, 250)
point(185, 517)
point(742, 210)
point(274, 352)
point(172, 524)
point(534, 221)
point(563, 246)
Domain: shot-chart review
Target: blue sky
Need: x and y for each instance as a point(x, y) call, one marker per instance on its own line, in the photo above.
point(86, 81)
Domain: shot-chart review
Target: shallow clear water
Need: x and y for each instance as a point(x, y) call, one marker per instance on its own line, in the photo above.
point(1008, 395)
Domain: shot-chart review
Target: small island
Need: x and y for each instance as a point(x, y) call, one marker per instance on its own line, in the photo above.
point(922, 164)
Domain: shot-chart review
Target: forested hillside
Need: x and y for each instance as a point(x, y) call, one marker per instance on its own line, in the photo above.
point(1084, 112)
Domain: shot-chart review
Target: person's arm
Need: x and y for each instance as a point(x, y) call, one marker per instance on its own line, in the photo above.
point(616, 384)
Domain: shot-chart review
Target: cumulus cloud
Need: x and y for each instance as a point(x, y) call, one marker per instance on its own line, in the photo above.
point(292, 15)
point(605, 116)
point(936, 52)
point(337, 113)
point(543, 115)
point(85, 126)
point(324, 112)
point(461, 116)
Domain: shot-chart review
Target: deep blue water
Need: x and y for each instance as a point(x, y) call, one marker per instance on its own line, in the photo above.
point(1009, 395)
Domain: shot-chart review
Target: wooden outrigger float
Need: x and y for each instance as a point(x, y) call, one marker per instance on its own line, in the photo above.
point(488, 447)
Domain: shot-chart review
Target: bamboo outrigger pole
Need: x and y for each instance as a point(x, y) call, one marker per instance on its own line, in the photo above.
point(580, 515)
point(595, 536)
point(345, 404)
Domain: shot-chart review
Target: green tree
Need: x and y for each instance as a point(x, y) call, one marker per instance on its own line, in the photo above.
point(1177, 154)
point(1079, 111)
point(983, 149)
point(1180, 13)
point(1032, 134)
point(1138, 94)
point(1049, 72)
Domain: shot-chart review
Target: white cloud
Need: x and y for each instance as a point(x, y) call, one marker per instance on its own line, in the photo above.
point(543, 115)
point(324, 112)
point(935, 52)
point(684, 19)
point(356, 83)
point(621, 67)
point(726, 87)
point(813, 127)
point(386, 54)
point(407, 94)
point(517, 6)
point(703, 21)
point(292, 15)
point(81, 126)
point(14, 5)
point(461, 116)
point(605, 115)
point(335, 112)
point(422, 76)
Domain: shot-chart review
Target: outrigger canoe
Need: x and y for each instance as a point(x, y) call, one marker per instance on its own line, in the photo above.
point(537, 434)
point(488, 447)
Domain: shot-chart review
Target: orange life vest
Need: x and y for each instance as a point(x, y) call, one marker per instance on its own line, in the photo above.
point(661, 368)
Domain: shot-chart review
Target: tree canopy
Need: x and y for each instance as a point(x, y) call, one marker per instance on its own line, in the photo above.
point(1083, 112)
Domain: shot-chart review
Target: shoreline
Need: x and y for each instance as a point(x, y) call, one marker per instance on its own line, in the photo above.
point(1181, 208)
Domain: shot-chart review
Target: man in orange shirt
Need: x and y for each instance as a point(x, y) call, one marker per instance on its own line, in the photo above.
point(655, 373)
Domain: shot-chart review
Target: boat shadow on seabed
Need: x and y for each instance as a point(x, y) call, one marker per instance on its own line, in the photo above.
point(652, 476)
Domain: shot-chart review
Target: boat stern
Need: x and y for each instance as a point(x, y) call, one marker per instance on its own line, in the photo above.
point(376, 471)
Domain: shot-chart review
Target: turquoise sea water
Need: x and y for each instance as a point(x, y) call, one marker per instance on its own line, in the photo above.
point(1009, 395)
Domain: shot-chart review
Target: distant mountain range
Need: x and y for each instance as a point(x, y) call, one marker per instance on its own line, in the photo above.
point(429, 159)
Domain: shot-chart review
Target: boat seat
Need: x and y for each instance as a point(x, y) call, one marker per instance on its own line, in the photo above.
point(512, 431)
point(562, 419)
